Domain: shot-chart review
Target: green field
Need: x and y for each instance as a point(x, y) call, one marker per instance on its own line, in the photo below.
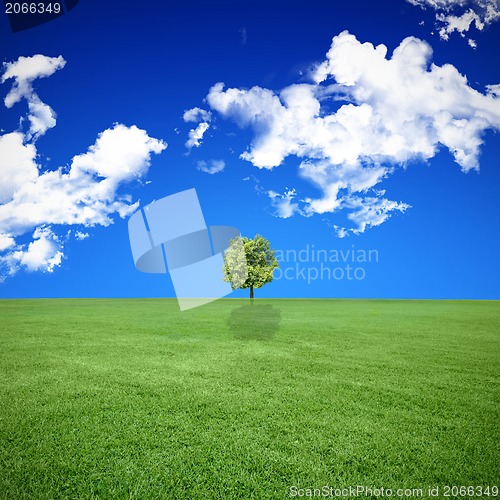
point(133, 399)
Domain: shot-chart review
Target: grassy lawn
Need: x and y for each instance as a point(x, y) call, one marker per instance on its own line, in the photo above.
point(133, 399)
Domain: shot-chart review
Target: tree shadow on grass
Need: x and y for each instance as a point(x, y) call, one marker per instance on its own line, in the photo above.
point(254, 322)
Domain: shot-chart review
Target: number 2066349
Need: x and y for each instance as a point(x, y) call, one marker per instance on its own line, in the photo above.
point(470, 491)
point(32, 8)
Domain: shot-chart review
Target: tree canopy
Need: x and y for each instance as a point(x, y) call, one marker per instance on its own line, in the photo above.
point(258, 260)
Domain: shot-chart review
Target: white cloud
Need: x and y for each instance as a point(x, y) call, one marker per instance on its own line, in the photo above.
point(41, 116)
point(86, 193)
point(81, 236)
point(17, 164)
point(493, 90)
point(6, 241)
point(120, 154)
point(461, 23)
point(372, 211)
point(43, 253)
point(26, 69)
point(283, 204)
point(196, 135)
point(211, 167)
point(196, 115)
point(396, 109)
point(341, 232)
point(438, 4)
point(460, 15)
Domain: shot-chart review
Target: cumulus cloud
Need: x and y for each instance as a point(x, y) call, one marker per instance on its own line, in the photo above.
point(196, 115)
point(196, 134)
point(27, 69)
point(371, 211)
point(24, 71)
point(211, 167)
point(363, 115)
point(283, 204)
point(493, 90)
point(80, 236)
point(461, 15)
point(17, 164)
point(119, 154)
point(6, 241)
point(86, 193)
point(43, 253)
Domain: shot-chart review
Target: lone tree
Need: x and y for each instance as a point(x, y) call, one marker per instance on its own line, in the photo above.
point(260, 263)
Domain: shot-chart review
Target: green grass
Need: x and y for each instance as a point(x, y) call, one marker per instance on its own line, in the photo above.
point(133, 399)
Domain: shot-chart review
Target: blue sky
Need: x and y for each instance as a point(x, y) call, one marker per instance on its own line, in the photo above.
point(388, 144)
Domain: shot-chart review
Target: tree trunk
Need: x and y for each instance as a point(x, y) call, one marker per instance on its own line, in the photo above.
point(251, 291)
